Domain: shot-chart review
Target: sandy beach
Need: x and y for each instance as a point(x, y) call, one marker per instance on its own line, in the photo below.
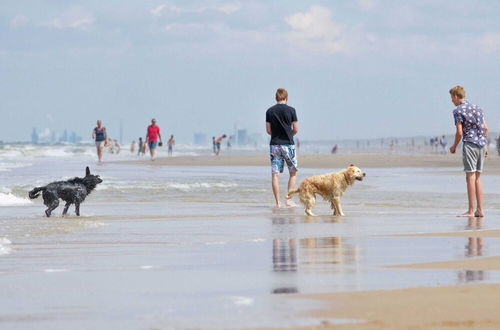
point(327, 161)
point(439, 307)
point(194, 242)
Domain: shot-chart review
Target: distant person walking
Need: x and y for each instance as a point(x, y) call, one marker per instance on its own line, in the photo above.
point(213, 144)
point(132, 147)
point(140, 147)
point(152, 137)
point(471, 128)
point(170, 145)
point(100, 136)
point(218, 142)
point(282, 125)
point(443, 143)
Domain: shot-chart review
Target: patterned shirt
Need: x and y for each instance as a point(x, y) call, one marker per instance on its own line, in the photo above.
point(472, 118)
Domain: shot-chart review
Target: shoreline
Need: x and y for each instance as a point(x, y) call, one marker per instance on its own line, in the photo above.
point(309, 160)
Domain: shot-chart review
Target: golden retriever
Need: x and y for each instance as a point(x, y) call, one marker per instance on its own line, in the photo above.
point(329, 186)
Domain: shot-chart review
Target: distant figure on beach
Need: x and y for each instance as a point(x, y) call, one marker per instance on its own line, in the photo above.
point(140, 147)
point(152, 137)
point(229, 142)
point(443, 143)
point(498, 144)
point(116, 146)
point(132, 147)
point(170, 145)
point(218, 142)
point(334, 149)
point(213, 144)
point(100, 136)
point(282, 125)
point(471, 128)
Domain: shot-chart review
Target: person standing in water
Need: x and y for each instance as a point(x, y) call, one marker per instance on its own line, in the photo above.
point(152, 136)
point(100, 136)
point(282, 125)
point(170, 145)
point(472, 130)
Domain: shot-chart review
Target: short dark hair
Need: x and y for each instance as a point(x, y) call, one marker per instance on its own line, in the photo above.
point(281, 94)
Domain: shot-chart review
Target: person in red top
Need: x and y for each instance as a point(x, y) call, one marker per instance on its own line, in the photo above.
point(152, 136)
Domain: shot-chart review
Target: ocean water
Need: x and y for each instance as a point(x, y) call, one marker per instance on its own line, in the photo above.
point(202, 247)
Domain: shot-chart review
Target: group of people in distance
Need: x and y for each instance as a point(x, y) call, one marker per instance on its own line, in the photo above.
point(151, 142)
point(282, 126)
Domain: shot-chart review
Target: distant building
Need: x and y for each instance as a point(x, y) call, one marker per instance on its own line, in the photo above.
point(34, 136)
point(64, 137)
point(74, 138)
point(242, 137)
point(200, 138)
point(53, 137)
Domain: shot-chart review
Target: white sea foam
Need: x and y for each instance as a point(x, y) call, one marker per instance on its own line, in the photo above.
point(242, 300)
point(55, 270)
point(184, 187)
point(9, 199)
point(4, 246)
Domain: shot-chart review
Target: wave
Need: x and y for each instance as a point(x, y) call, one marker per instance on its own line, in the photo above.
point(4, 246)
point(9, 199)
point(183, 187)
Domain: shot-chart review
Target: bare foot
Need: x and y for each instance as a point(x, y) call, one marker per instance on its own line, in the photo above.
point(277, 206)
point(466, 215)
point(478, 214)
point(290, 203)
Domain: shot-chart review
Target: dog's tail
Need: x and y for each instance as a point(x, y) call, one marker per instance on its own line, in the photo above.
point(36, 192)
point(292, 192)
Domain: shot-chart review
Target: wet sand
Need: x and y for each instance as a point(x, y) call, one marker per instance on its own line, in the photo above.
point(324, 161)
point(448, 307)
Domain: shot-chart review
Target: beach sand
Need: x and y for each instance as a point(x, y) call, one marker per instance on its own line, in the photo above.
point(326, 161)
point(471, 306)
point(448, 307)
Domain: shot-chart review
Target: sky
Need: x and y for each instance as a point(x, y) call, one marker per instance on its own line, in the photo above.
point(353, 68)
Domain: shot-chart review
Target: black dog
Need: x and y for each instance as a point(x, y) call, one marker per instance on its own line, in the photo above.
point(71, 191)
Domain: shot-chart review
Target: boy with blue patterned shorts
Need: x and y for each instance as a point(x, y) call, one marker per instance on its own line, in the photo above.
point(282, 125)
point(471, 128)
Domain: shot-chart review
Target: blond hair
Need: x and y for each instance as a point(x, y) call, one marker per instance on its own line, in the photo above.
point(458, 91)
point(281, 94)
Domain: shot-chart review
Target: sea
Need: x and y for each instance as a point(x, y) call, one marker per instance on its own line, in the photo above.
point(201, 247)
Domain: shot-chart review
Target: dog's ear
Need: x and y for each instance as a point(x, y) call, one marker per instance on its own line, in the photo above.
point(87, 171)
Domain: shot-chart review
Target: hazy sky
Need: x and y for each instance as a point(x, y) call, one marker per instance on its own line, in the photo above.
point(365, 68)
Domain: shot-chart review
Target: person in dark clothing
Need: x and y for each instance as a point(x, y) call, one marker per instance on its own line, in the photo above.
point(282, 125)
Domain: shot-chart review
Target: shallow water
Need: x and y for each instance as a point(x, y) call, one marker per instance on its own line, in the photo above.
point(188, 247)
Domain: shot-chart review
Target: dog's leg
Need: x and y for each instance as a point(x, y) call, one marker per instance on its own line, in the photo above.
point(66, 207)
point(333, 207)
point(309, 202)
point(77, 208)
point(338, 208)
point(52, 207)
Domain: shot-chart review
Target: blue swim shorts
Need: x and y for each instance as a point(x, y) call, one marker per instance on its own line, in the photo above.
point(152, 144)
point(281, 154)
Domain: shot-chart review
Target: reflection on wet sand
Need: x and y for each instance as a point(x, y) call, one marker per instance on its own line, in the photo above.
point(308, 255)
point(473, 248)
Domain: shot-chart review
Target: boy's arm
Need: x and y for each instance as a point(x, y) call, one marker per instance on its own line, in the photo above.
point(458, 137)
point(268, 127)
point(485, 127)
point(295, 127)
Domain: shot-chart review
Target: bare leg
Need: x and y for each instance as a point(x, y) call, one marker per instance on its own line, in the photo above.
point(66, 207)
point(99, 153)
point(479, 196)
point(77, 208)
point(275, 182)
point(152, 151)
point(470, 178)
point(291, 185)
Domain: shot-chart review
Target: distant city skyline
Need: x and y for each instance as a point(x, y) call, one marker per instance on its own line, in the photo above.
point(353, 69)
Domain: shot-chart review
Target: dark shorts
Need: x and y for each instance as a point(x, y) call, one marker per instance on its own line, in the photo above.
point(152, 144)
